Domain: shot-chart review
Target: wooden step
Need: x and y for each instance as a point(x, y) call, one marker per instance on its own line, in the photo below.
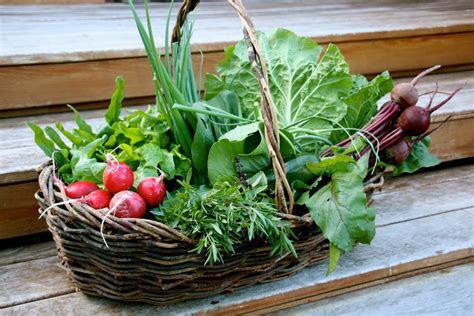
point(445, 292)
point(414, 236)
point(71, 54)
point(19, 156)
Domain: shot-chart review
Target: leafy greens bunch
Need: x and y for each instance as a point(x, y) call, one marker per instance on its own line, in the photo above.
point(140, 139)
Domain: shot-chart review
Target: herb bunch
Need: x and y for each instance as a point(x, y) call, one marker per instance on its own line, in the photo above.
point(225, 216)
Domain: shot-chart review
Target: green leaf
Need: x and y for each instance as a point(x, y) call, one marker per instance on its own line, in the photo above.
point(200, 148)
point(54, 136)
point(301, 86)
point(84, 166)
point(112, 114)
point(420, 157)
point(214, 86)
point(340, 207)
point(246, 140)
point(296, 169)
point(330, 165)
point(76, 140)
point(334, 256)
point(46, 145)
point(362, 102)
point(81, 124)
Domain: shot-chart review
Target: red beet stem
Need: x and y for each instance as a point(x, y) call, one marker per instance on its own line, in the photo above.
point(423, 73)
point(391, 138)
point(437, 106)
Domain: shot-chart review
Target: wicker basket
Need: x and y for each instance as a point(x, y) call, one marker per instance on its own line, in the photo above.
point(147, 261)
point(150, 262)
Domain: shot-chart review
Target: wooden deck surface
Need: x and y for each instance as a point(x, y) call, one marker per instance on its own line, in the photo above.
point(446, 292)
point(424, 221)
point(71, 54)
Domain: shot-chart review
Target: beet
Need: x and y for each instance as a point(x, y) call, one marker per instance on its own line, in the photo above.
point(414, 120)
point(405, 94)
point(397, 153)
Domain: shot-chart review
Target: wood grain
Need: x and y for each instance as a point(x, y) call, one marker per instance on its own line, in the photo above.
point(95, 28)
point(93, 81)
point(24, 253)
point(33, 280)
point(19, 211)
point(448, 291)
point(374, 36)
point(394, 252)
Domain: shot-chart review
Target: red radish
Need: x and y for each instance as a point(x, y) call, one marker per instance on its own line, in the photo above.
point(118, 176)
point(128, 204)
point(405, 94)
point(97, 199)
point(80, 188)
point(152, 190)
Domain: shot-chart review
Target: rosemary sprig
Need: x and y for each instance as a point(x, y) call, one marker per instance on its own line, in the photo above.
point(225, 216)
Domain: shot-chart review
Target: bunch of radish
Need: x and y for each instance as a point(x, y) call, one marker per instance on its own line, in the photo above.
point(118, 179)
point(399, 124)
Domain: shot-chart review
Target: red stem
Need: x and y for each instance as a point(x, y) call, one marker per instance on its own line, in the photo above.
point(423, 73)
point(437, 106)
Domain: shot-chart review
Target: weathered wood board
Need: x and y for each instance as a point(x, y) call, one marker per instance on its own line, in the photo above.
point(446, 292)
point(96, 43)
point(392, 254)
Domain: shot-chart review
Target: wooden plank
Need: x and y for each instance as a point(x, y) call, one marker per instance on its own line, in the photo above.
point(27, 253)
point(371, 41)
point(455, 140)
point(30, 277)
point(95, 28)
point(53, 84)
point(447, 292)
point(398, 250)
point(19, 211)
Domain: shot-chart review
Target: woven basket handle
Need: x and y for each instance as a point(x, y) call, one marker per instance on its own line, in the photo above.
point(184, 10)
point(267, 107)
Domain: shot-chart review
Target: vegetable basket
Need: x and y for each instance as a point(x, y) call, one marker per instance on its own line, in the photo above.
point(157, 261)
point(147, 261)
